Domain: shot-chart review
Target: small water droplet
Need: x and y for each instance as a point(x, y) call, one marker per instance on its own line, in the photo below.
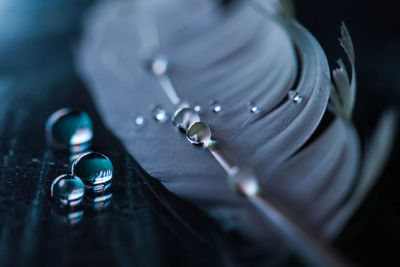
point(215, 106)
point(139, 121)
point(67, 128)
point(253, 107)
point(159, 65)
point(93, 168)
point(160, 114)
point(67, 190)
point(295, 96)
point(197, 108)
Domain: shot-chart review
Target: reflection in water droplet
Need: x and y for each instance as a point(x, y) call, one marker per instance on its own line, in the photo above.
point(100, 188)
point(70, 215)
point(101, 202)
point(295, 96)
point(139, 121)
point(253, 107)
point(215, 106)
point(66, 128)
point(160, 114)
point(93, 168)
point(67, 190)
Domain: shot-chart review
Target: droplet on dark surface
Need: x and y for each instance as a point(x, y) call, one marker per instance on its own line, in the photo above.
point(93, 168)
point(68, 128)
point(68, 190)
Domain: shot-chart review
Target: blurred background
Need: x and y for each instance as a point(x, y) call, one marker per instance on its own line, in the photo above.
point(37, 40)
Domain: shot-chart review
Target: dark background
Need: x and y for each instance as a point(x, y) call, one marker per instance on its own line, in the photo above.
point(373, 236)
point(144, 225)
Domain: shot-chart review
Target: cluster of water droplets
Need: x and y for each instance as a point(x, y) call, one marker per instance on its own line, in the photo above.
point(89, 180)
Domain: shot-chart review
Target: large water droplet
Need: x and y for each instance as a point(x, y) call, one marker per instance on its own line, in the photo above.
point(93, 168)
point(67, 190)
point(67, 128)
point(160, 114)
point(295, 96)
point(185, 117)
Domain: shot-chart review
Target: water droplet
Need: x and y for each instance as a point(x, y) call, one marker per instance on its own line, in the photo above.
point(67, 190)
point(295, 96)
point(67, 128)
point(215, 106)
point(160, 114)
point(197, 108)
point(253, 107)
point(159, 65)
point(245, 182)
point(139, 121)
point(185, 117)
point(93, 168)
point(75, 155)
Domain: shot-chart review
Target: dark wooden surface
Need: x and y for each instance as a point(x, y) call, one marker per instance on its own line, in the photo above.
point(143, 225)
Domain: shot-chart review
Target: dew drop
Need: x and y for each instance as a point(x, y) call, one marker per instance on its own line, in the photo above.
point(159, 65)
point(197, 108)
point(253, 107)
point(139, 121)
point(68, 190)
point(93, 168)
point(68, 128)
point(295, 96)
point(160, 114)
point(215, 106)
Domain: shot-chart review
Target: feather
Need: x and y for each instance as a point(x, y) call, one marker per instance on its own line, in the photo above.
point(344, 89)
point(244, 55)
